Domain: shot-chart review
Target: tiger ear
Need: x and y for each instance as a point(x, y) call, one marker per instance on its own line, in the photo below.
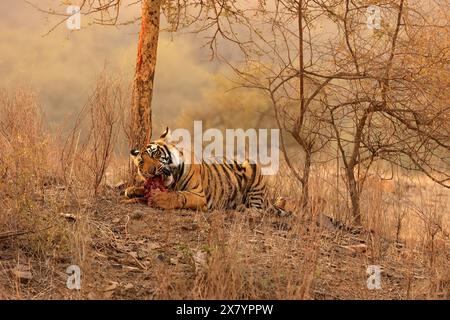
point(166, 135)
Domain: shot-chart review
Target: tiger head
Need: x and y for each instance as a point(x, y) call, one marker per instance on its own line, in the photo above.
point(157, 158)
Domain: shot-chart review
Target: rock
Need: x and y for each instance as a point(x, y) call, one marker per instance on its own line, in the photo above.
point(161, 257)
point(137, 214)
point(128, 286)
point(116, 220)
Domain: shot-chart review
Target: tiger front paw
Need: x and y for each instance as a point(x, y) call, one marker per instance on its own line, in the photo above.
point(166, 200)
point(134, 192)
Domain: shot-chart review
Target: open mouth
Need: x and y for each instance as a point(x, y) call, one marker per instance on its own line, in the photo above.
point(155, 182)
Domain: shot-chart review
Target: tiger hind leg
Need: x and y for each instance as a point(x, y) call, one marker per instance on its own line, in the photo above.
point(258, 201)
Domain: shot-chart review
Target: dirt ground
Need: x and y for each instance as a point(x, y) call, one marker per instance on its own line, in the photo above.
point(136, 252)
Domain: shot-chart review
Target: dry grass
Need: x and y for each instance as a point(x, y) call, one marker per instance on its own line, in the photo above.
point(137, 252)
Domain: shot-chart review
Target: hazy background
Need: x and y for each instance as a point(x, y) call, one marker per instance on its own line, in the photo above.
point(62, 67)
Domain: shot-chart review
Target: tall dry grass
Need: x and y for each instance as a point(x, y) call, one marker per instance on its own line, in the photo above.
point(92, 143)
point(48, 180)
point(27, 167)
point(248, 256)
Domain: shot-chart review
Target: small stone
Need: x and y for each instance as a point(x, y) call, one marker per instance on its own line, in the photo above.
point(161, 257)
point(129, 286)
point(137, 214)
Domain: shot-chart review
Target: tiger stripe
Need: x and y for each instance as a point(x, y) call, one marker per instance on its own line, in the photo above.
point(202, 186)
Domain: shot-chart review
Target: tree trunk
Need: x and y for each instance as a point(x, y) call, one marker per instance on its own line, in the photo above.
point(305, 180)
point(354, 196)
point(300, 119)
point(141, 115)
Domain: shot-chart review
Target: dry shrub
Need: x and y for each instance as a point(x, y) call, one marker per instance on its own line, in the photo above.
point(45, 187)
point(88, 151)
point(406, 225)
point(26, 166)
point(23, 142)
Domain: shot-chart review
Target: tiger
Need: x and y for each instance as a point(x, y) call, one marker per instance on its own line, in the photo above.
point(228, 185)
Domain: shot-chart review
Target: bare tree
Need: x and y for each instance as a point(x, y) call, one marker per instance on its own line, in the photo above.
point(389, 110)
point(372, 94)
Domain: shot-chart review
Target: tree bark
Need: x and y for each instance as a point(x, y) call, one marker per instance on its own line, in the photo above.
point(300, 119)
point(141, 115)
point(301, 66)
point(354, 196)
point(305, 180)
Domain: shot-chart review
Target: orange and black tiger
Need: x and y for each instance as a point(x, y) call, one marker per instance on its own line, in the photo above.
point(198, 186)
